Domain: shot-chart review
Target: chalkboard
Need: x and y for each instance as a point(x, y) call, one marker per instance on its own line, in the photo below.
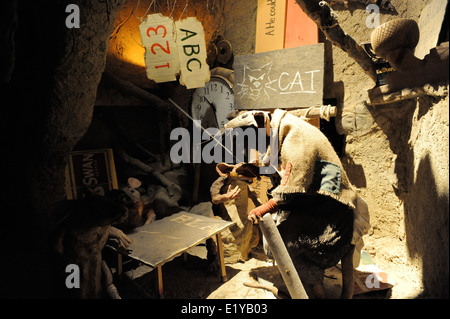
point(288, 78)
point(159, 242)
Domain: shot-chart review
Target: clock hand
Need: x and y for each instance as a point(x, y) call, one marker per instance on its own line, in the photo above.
point(214, 109)
point(212, 105)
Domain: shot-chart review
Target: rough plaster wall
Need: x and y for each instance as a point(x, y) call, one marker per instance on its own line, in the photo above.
point(427, 202)
point(388, 148)
point(396, 155)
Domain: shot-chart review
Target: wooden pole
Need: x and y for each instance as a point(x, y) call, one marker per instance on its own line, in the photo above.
point(221, 257)
point(282, 258)
point(160, 282)
point(321, 14)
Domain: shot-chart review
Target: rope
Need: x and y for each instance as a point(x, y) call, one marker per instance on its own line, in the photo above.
point(145, 14)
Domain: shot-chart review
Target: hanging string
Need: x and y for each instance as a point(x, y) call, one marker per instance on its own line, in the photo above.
point(185, 7)
point(145, 14)
point(138, 43)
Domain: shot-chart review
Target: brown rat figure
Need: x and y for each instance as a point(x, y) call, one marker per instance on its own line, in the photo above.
point(232, 190)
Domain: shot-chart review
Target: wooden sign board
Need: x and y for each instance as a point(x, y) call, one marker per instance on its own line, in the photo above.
point(288, 78)
point(300, 29)
point(94, 169)
point(159, 242)
point(430, 25)
point(270, 25)
point(161, 54)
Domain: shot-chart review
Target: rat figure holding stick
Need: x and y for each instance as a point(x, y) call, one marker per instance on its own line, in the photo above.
point(320, 216)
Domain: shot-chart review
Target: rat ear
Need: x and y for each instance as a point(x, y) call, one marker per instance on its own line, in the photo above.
point(224, 169)
point(134, 182)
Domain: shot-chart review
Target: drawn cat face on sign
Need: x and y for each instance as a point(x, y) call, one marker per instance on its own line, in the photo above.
point(256, 81)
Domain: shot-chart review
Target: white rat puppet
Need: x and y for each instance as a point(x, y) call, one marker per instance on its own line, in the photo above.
point(322, 218)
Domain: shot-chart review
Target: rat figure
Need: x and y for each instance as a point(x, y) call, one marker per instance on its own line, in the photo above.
point(140, 210)
point(232, 190)
point(320, 216)
point(82, 231)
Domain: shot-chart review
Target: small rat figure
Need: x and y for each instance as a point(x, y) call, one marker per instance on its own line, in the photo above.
point(140, 211)
point(232, 191)
point(83, 229)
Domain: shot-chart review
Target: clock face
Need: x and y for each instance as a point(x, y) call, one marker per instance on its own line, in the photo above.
point(212, 103)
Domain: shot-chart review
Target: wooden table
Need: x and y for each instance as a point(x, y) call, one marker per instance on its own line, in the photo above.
point(161, 241)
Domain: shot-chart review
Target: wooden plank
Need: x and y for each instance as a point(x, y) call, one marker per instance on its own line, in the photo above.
point(289, 78)
point(161, 241)
point(300, 29)
point(270, 25)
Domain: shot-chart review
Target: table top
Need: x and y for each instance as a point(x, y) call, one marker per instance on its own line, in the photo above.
point(162, 240)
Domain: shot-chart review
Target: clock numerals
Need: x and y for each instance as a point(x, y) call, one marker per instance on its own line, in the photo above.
point(212, 103)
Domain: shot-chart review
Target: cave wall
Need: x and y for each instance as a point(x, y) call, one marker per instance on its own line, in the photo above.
point(50, 83)
point(396, 155)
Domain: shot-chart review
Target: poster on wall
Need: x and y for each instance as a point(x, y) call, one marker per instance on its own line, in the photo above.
point(92, 169)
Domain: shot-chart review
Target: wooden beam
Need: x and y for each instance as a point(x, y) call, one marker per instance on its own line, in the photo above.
point(321, 14)
point(131, 89)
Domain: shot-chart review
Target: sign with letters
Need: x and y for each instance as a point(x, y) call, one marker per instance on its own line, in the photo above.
point(93, 169)
point(192, 53)
point(288, 78)
point(173, 47)
point(270, 25)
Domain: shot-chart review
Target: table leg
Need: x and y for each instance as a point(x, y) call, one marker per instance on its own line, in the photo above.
point(222, 262)
point(160, 283)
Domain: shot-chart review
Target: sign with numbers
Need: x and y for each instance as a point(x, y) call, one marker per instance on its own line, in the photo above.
point(174, 47)
point(161, 54)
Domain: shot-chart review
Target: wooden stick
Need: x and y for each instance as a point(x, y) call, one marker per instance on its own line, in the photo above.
point(314, 112)
point(221, 259)
point(160, 283)
point(322, 15)
point(281, 255)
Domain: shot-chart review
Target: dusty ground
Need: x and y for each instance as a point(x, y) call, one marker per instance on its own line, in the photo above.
point(190, 280)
